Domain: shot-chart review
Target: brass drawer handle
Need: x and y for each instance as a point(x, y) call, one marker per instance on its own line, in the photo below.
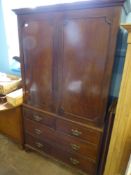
point(39, 145)
point(75, 147)
point(74, 161)
point(75, 132)
point(37, 118)
point(38, 131)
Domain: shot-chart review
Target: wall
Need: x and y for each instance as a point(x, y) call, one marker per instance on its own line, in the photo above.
point(4, 65)
point(128, 20)
point(4, 52)
point(123, 16)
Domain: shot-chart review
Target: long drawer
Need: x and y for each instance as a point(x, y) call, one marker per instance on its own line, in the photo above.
point(68, 142)
point(76, 160)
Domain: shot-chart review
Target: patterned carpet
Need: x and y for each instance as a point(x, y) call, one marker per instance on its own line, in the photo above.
point(14, 161)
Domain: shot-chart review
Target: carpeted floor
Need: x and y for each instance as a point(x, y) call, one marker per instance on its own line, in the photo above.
point(14, 161)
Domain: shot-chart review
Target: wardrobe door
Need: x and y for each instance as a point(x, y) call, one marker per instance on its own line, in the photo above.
point(38, 47)
point(85, 62)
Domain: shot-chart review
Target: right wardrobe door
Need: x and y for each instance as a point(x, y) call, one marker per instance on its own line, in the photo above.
point(85, 42)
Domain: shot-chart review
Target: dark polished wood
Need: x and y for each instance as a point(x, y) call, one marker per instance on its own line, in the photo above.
point(39, 117)
point(70, 143)
point(77, 130)
point(67, 54)
point(85, 63)
point(58, 152)
point(71, 6)
point(63, 62)
point(37, 143)
point(38, 40)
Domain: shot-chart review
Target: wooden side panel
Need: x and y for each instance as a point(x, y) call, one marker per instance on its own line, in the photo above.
point(11, 124)
point(120, 146)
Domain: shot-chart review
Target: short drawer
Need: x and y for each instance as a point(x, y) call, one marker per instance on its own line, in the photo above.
point(78, 130)
point(39, 117)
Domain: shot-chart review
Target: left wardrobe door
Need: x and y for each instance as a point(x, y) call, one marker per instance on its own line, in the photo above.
point(38, 45)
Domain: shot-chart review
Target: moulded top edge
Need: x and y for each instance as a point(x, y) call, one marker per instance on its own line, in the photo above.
point(70, 6)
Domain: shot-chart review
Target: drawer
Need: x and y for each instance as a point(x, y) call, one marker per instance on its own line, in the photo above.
point(78, 130)
point(55, 151)
point(38, 130)
point(37, 143)
point(75, 160)
point(78, 146)
point(67, 142)
point(39, 117)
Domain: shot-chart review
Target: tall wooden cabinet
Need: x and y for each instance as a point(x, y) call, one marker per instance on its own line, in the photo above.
point(67, 56)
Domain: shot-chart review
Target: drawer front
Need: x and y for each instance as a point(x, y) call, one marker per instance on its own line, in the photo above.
point(75, 160)
point(39, 117)
point(77, 146)
point(37, 143)
point(38, 130)
point(69, 143)
point(79, 131)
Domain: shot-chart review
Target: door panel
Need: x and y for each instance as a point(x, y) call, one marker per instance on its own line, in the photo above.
point(38, 46)
point(85, 45)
